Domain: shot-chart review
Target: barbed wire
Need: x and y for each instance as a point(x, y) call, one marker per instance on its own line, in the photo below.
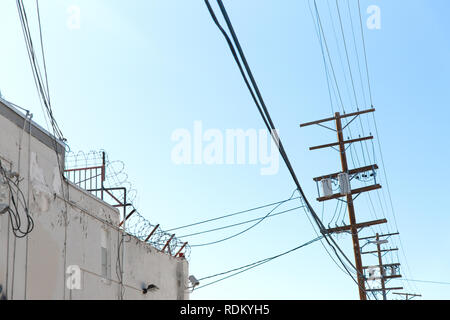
point(141, 228)
point(115, 176)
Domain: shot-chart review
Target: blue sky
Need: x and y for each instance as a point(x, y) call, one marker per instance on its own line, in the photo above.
point(136, 71)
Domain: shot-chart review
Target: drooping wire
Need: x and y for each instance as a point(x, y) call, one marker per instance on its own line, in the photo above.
point(43, 51)
point(18, 202)
point(45, 101)
point(245, 230)
point(240, 223)
point(42, 89)
point(426, 281)
point(232, 214)
point(250, 266)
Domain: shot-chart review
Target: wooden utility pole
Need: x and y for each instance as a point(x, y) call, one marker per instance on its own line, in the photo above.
point(351, 211)
point(354, 226)
point(380, 262)
point(384, 275)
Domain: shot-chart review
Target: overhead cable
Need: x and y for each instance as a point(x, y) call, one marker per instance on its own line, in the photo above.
point(247, 267)
point(233, 214)
point(270, 126)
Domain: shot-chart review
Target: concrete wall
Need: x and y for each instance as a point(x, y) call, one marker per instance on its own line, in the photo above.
point(69, 233)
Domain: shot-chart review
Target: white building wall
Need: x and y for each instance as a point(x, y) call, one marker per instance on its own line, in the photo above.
point(70, 230)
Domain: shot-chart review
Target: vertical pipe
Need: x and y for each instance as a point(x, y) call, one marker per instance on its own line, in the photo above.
point(123, 237)
point(103, 172)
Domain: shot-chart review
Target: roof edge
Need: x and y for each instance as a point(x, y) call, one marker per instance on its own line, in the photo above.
point(10, 112)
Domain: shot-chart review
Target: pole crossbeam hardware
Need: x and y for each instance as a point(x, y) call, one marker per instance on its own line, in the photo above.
point(384, 265)
point(358, 226)
point(350, 172)
point(355, 191)
point(381, 236)
point(386, 289)
point(386, 250)
point(386, 278)
point(335, 144)
point(353, 227)
point(394, 276)
point(408, 296)
point(336, 117)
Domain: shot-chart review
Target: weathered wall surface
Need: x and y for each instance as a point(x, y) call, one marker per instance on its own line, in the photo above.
point(73, 232)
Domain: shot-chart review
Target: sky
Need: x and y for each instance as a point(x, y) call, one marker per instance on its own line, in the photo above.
point(127, 75)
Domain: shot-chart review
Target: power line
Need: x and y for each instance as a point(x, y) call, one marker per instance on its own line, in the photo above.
point(272, 129)
point(45, 101)
point(243, 231)
point(262, 109)
point(343, 268)
point(359, 68)
point(240, 223)
point(378, 136)
point(344, 74)
point(349, 68)
point(356, 52)
point(321, 32)
point(254, 264)
point(38, 78)
point(362, 127)
point(427, 281)
point(233, 214)
point(365, 52)
point(346, 53)
point(43, 50)
point(322, 38)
